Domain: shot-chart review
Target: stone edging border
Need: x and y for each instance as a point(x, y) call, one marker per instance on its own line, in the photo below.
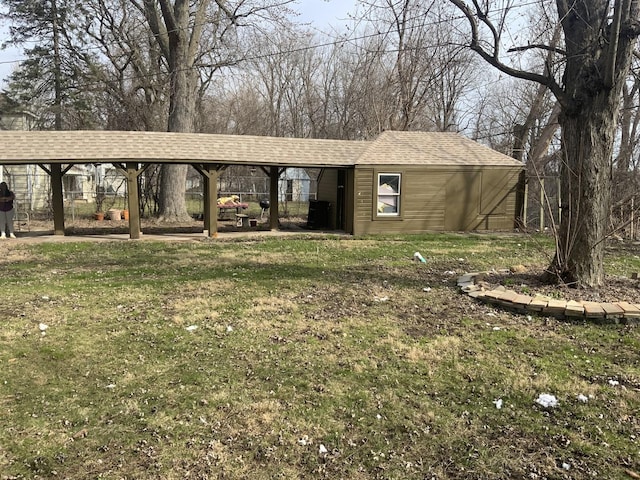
point(471, 284)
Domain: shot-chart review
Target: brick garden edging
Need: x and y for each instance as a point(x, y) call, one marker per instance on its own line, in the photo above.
point(541, 304)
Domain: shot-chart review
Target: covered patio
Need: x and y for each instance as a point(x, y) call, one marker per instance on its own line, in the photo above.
point(56, 152)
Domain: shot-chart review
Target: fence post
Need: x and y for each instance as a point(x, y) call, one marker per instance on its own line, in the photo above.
point(525, 204)
point(542, 197)
point(559, 200)
point(633, 218)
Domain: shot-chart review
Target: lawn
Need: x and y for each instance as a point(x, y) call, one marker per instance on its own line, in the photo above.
point(303, 357)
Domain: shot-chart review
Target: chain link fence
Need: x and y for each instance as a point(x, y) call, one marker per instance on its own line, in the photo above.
point(543, 206)
point(88, 191)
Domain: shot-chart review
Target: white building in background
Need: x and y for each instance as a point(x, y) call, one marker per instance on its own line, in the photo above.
point(113, 183)
point(32, 184)
point(29, 182)
point(294, 185)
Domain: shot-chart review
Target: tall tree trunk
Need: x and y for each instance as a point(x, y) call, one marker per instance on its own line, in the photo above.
point(594, 75)
point(599, 37)
point(586, 192)
point(182, 113)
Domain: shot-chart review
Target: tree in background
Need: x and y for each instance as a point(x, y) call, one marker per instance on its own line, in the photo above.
point(424, 69)
point(132, 77)
point(188, 33)
point(50, 81)
point(586, 74)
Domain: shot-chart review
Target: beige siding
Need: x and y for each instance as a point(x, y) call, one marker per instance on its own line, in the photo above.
point(327, 185)
point(15, 121)
point(327, 191)
point(349, 210)
point(363, 201)
point(437, 199)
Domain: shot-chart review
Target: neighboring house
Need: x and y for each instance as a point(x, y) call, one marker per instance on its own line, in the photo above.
point(28, 182)
point(79, 183)
point(294, 185)
point(111, 180)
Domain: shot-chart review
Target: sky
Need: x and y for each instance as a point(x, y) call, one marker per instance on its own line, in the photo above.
point(320, 13)
point(326, 12)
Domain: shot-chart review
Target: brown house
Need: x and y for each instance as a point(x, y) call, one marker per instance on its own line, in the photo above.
point(408, 182)
point(413, 182)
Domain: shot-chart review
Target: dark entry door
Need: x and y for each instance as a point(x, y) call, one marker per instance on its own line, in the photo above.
point(341, 200)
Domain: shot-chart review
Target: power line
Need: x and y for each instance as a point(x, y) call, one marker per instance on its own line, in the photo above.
point(334, 42)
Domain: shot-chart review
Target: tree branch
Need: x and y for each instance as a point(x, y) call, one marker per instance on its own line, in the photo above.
point(492, 56)
point(540, 46)
point(610, 66)
point(151, 14)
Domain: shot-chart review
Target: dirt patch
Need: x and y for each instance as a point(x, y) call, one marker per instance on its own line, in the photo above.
point(150, 226)
point(530, 282)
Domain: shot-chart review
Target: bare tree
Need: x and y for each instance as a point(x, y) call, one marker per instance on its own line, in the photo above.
point(134, 78)
point(416, 64)
point(586, 76)
point(626, 203)
point(187, 32)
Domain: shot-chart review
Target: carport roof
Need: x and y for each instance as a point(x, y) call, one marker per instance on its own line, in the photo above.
point(99, 146)
point(160, 147)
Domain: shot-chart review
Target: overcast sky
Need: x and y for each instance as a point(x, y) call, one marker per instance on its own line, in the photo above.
point(326, 12)
point(322, 13)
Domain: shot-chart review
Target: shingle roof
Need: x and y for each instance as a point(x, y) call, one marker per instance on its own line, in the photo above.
point(431, 148)
point(412, 148)
point(162, 147)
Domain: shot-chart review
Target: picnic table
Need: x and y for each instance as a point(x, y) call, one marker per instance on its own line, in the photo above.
point(230, 207)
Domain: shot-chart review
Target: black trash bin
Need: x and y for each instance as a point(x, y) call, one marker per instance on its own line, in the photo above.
point(318, 216)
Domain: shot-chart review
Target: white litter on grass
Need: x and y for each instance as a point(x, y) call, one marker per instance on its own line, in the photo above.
point(498, 403)
point(45, 297)
point(378, 417)
point(496, 329)
point(322, 450)
point(111, 386)
point(566, 466)
point(192, 328)
point(43, 327)
point(419, 258)
point(304, 441)
point(614, 383)
point(229, 329)
point(381, 299)
point(547, 400)
point(583, 398)
point(450, 272)
point(426, 289)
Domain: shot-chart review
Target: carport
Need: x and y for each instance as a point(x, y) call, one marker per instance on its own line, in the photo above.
point(132, 152)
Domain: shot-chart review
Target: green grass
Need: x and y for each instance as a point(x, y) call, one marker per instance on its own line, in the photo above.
point(302, 342)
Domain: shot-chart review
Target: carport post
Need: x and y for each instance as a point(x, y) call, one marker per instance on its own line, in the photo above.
point(57, 199)
point(273, 198)
point(210, 177)
point(132, 173)
point(209, 174)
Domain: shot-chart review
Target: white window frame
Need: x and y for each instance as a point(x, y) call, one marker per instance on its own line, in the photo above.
point(388, 195)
